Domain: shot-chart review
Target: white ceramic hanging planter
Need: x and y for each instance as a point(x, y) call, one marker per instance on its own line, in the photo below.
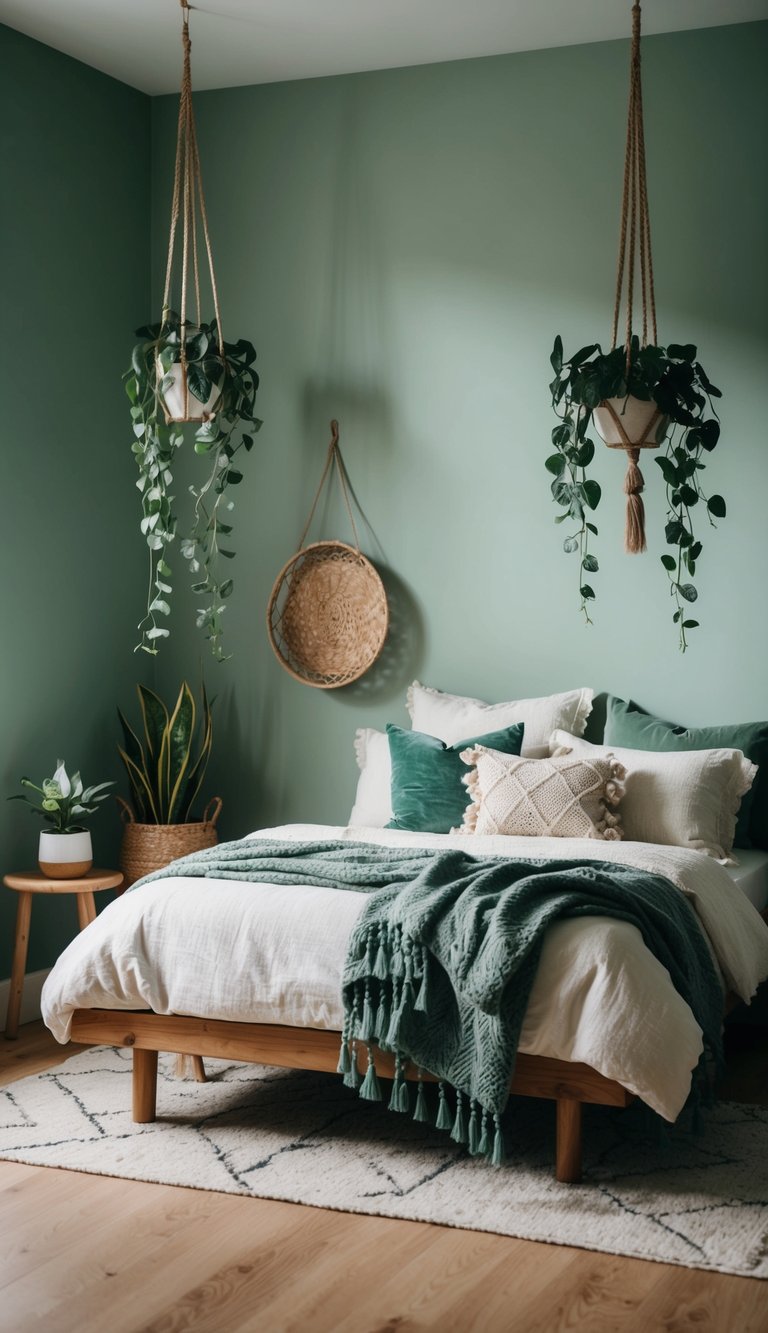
point(630, 423)
point(180, 404)
point(65, 855)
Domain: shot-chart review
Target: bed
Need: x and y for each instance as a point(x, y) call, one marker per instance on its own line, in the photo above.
point(252, 972)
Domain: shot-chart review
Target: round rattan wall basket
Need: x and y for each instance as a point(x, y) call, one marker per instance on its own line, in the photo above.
point(328, 617)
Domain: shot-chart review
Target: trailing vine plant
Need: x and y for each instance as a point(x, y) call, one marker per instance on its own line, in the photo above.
point(689, 428)
point(227, 429)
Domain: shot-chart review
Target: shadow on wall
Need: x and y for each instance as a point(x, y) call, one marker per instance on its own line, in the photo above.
point(403, 651)
point(240, 776)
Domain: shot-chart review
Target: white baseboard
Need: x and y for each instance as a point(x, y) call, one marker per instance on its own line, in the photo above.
point(30, 999)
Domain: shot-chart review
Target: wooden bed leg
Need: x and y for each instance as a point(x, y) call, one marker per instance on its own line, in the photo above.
point(144, 1086)
point(568, 1141)
point(199, 1069)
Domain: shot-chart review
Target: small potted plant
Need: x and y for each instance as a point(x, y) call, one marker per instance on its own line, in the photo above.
point(65, 852)
point(166, 763)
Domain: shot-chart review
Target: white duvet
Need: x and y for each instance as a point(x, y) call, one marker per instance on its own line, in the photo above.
point(268, 954)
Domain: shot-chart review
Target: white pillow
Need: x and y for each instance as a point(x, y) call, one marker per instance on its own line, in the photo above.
point(680, 798)
point(451, 717)
point(373, 801)
point(564, 797)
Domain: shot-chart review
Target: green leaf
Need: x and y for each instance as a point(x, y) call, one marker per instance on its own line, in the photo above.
point(570, 545)
point(226, 588)
point(587, 592)
point(673, 531)
point(676, 617)
point(592, 493)
point(561, 492)
point(585, 454)
point(228, 555)
point(199, 384)
point(710, 434)
point(555, 463)
point(583, 354)
point(556, 358)
point(716, 506)
point(591, 528)
point(687, 591)
point(669, 563)
point(668, 470)
point(690, 624)
point(681, 351)
point(234, 477)
point(590, 564)
point(154, 712)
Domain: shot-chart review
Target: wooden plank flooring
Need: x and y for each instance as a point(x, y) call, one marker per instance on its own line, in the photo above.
point(86, 1254)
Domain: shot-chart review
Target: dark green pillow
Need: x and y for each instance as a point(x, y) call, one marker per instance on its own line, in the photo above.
point(629, 725)
point(428, 795)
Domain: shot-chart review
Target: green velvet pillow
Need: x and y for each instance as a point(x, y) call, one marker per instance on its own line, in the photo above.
point(629, 725)
point(428, 795)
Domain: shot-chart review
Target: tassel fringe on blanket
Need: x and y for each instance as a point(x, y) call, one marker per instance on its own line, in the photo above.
point(441, 962)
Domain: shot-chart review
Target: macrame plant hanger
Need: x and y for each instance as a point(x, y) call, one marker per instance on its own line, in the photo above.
point(634, 238)
point(188, 196)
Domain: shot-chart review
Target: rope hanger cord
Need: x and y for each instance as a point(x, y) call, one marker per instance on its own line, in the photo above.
point(332, 459)
point(635, 215)
point(634, 242)
point(188, 196)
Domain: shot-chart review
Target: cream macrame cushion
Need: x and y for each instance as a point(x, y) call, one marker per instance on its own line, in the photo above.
point(567, 797)
point(452, 717)
point(682, 798)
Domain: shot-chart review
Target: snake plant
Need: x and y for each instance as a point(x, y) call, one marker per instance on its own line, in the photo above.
point(166, 767)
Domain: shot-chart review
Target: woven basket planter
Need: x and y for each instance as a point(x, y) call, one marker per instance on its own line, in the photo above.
point(149, 847)
point(327, 617)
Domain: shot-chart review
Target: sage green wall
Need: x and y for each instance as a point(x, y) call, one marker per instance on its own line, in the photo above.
point(402, 248)
point(74, 269)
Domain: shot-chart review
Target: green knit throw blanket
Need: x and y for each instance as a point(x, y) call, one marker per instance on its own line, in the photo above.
point(441, 962)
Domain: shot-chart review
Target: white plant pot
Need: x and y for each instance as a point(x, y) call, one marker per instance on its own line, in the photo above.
point(65, 855)
point(181, 406)
point(641, 421)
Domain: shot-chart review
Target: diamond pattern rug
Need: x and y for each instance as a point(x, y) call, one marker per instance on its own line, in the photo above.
point(700, 1200)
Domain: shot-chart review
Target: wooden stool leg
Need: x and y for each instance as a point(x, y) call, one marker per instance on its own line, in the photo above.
point(86, 909)
point(144, 1086)
point(23, 917)
point(568, 1145)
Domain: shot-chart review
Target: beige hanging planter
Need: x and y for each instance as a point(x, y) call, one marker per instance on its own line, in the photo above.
point(327, 617)
point(179, 404)
point(629, 423)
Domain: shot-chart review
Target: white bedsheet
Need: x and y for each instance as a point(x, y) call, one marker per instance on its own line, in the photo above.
point(268, 954)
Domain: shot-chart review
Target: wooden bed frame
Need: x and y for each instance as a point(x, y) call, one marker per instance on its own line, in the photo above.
point(568, 1084)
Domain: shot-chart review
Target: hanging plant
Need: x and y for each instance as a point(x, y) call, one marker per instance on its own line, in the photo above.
point(667, 397)
point(639, 396)
point(183, 372)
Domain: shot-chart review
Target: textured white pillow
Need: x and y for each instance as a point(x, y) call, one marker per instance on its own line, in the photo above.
point(680, 798)
point(565, 797)
point(451, 717)
point(373, 800)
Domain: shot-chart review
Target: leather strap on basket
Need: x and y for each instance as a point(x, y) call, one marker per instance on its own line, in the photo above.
point(634, 237)
point(333, 460)
point(187, 197)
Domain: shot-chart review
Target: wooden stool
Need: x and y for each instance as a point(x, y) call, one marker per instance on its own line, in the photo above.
point(35, 882)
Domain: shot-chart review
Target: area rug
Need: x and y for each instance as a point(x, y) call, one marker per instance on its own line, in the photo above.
point(699, 1200)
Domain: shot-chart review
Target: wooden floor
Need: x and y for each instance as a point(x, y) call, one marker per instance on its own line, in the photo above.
point(85, 1254)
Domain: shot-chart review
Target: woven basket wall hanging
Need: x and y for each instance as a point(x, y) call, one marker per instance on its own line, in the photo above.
point(327, 617)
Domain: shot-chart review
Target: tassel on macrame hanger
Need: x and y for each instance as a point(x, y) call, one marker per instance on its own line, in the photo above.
point(634, 526)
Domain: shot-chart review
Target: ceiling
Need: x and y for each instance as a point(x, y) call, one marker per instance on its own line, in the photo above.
point(265, 41)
